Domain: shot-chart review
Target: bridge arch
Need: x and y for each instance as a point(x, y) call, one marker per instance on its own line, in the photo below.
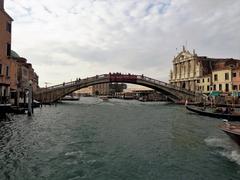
point(54, 93)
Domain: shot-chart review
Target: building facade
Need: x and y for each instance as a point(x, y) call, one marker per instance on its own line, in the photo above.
point(236, 79)
point(186, 70)
point(203, 74)
point(15, 71)
point(88, 91)
point(23, 73)
point(5, 52)
point(108, 88)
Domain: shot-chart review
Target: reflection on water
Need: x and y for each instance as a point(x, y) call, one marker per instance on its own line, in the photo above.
point(117, 139)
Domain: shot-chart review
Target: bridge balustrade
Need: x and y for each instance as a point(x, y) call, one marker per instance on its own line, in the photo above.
point(166, 84)
point(122, 77)
point(115, 77)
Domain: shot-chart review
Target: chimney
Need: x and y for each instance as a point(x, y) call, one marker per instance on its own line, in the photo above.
point(1, 4)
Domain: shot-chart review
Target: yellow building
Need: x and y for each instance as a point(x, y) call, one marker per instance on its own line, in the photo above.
point(236, 79)
point(222, 80)
point(204, 84)
point(88, 91)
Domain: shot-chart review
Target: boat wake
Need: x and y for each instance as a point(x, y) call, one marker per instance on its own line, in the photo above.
point(232, 155)
point(225, 148)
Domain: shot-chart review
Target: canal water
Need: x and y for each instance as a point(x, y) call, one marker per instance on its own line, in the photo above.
point(115, 140)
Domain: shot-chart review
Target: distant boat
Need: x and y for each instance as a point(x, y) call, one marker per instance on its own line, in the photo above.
point(232, 116)
point(104, 98)
point(70, 98)
point(232, 130)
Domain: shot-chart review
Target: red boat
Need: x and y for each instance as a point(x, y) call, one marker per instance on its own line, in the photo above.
point(233, 130)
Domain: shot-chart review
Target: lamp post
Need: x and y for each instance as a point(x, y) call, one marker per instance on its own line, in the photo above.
point(30, 98)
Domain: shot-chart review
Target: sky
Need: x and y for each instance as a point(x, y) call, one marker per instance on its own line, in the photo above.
point(65, 40)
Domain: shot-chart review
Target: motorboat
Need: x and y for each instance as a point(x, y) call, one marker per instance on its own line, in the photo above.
point(232, 130)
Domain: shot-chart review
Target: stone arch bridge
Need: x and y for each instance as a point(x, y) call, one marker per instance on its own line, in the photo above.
point(54, 93)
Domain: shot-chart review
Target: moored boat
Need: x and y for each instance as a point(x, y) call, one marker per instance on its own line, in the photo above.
point(104, 98)
point(231, 116)
point(232, 130)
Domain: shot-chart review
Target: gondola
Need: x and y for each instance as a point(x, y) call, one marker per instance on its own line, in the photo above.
point(233, 116)
point(232, 130)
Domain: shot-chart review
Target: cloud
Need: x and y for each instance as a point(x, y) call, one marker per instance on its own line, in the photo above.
point(87, 37)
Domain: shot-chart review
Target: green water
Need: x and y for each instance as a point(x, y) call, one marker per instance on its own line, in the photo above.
point(115, 140)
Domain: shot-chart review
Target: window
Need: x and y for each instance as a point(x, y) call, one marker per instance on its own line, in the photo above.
point(208, 79)
point(214, 87)
point(0, 69)
point(234, 74)
point(220, 87)
point(203, 80)
point(198, 81)
point(7, 71)
point(8, 49)
point(208, 88)
point(226, 87)
point(235, 87)
point(9, 27)
point(215, 77)
point(226, 76)
point(203, 88)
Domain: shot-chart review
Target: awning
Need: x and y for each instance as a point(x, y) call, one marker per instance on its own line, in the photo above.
point(235, 94)
point(215, 93)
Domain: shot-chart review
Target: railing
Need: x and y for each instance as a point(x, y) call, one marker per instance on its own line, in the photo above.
point(74, 83)
point(157, 82)
point(107, 76)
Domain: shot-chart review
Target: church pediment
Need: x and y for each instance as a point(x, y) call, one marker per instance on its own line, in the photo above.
point(183, 56)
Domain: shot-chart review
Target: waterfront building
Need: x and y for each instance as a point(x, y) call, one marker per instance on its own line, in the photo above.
point(88, 91)
point(204, 84)
point(186, 70)
point(116, 88)
point(23, 73)
point(203, 74)
point(101, 89)
point(236, 79)
point(15, 71)
point(5, 52)
point(222, 80)
point(108, 88)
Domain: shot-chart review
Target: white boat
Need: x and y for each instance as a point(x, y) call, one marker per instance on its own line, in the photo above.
point(70, 98)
